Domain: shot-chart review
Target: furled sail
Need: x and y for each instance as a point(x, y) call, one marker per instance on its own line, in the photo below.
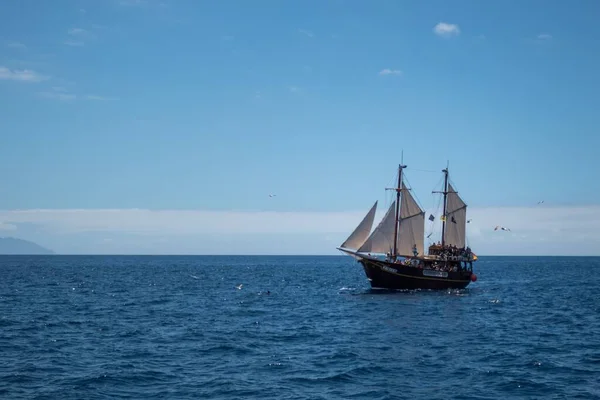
point(361, 233)
point(456, 219)
point(412, 224)
point(382, 238)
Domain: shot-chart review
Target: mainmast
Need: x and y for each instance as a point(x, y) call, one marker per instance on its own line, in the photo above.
point(445, 192)
point(445, 171)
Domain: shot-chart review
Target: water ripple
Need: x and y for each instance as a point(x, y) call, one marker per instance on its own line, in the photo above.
point(297, 328)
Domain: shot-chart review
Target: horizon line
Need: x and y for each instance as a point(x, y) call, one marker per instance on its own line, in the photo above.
point(263, 255)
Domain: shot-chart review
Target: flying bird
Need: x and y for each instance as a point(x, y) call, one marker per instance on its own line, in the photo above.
point(501, 228)
point(541, 202)
point(240, 286)
point(272, 195)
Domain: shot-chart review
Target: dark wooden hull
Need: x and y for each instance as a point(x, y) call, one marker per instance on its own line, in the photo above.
point(388, 275)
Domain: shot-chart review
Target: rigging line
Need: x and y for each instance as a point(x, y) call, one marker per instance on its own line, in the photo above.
point(423, 170)
point(414, 194)
point(433, 224)
point(388, 196)
point(439, 182)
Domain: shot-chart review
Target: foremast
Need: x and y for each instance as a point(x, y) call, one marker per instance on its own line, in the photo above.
point(399, 233)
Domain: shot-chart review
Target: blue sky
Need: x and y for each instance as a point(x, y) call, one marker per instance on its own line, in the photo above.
point(189, 105)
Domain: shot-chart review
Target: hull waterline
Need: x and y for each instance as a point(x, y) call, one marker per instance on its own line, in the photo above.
point(388, 275)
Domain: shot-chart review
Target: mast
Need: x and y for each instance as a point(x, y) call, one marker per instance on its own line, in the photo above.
point(445, 192)
point(445, 171)
point(397, 220)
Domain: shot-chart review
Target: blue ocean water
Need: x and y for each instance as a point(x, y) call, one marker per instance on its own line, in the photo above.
point(79, 327)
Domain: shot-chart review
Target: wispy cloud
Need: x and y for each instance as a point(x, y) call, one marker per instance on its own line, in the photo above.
point(23, 75)
point(306, 33)
point(140, 3)
point(57, 93)
point(16, 45)
point(544, 36)
point(78, 36)
point(99, 98)
point(132, 2)
point(74, 43)
point(294, 89)
point(388, 71)
point(62, 94)
point(7, 227)
point(534, 230)
point(445, 29)
point(77, 32)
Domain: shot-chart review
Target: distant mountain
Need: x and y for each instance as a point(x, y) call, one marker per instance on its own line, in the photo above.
point(10, 245)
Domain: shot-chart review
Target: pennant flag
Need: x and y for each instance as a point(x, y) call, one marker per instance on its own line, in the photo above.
point(452, 219)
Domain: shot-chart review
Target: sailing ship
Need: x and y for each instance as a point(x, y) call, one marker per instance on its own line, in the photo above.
point(392, 255)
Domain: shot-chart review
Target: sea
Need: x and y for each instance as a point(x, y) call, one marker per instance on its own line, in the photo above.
point(294, 327)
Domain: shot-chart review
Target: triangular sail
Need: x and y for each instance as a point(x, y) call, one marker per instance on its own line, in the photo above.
point(382, 238)
point(456, 219)
point(412, 224)
point(361, 233)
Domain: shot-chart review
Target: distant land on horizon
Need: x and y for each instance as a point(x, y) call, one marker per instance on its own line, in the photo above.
point(13, 246)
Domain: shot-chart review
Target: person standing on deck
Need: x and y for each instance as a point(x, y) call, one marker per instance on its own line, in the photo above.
point(415, 251)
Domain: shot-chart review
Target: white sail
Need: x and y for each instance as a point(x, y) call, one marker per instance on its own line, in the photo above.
point(361, 233)
point(412, 225)
point(382, 238)
point(456, 219)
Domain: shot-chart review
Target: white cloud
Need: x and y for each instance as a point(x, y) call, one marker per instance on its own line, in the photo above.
point(306, 33)
point(534, 230)
point(142, 221)
point(388, 71)
point(24, 75)
point(445, 29)
point(294, 89)
point(544, 36)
